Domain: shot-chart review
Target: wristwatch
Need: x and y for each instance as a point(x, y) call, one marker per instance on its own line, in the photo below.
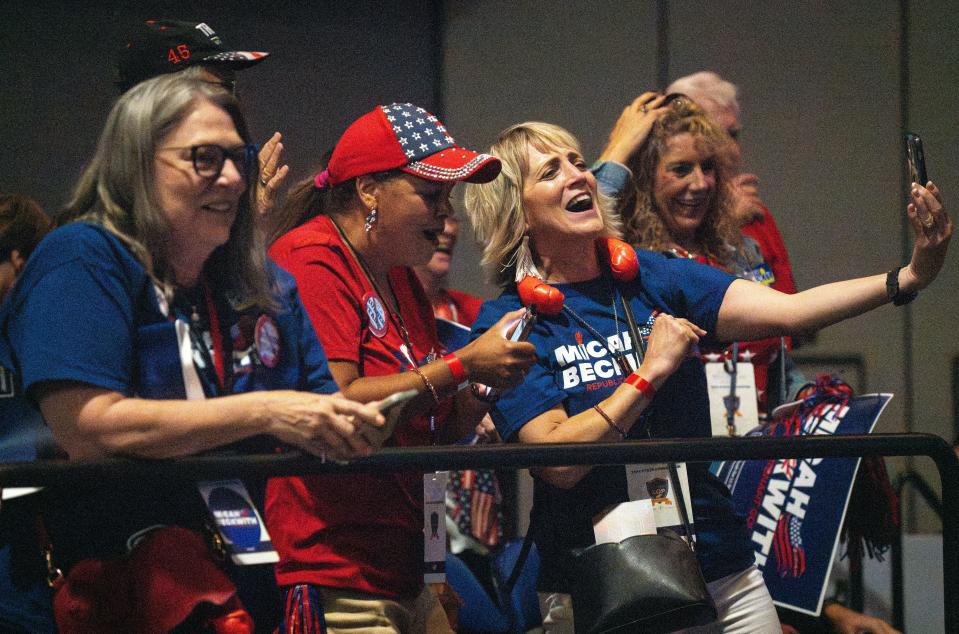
point(892, 289)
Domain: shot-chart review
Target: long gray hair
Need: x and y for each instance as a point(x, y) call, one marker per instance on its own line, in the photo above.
point(117, 188)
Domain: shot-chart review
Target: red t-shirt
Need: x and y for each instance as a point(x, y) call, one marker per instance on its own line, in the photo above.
point(766, 233)
point(458, 306)
point(761, 352)
point(359, 531)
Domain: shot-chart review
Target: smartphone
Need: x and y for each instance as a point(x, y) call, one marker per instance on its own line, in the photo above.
point(393, 400)
point(524, 326)
point(916, 159)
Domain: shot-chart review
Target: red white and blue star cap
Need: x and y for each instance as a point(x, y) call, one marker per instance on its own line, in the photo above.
point(157, 47)
point(407, 137)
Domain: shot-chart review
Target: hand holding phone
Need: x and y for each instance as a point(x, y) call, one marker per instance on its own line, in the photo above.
point(521, 331)
point(916, 159)
point(392, 410)
point(524, 326)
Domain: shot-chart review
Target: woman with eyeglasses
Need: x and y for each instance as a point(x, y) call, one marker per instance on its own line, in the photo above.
point(152, 325)
point(612, 341)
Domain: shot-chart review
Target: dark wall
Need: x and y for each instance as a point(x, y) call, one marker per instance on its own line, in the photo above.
point(330, 62)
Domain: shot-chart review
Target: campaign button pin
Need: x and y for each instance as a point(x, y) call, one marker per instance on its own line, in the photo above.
point(376, 314)
point(266, 338)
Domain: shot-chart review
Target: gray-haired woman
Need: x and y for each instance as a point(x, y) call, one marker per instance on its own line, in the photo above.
point(152, 325)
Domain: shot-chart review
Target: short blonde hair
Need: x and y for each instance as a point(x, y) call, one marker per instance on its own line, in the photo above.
point(718, 235)
point(496, 210)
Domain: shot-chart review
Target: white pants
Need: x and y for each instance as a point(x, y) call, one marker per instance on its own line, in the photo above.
point(743, 606)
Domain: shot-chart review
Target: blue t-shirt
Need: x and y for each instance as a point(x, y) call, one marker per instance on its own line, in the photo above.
point(85, 310)
point(575, 369)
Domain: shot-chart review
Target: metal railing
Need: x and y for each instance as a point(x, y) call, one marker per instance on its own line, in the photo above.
point(917, 482)
point(162, 472)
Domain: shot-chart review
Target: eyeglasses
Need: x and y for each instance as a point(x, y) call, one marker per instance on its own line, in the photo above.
point(208, 159)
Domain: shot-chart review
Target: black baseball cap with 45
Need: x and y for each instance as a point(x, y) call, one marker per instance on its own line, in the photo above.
point(157, 47)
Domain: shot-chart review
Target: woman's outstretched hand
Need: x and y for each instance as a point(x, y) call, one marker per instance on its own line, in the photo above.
point(933, 230)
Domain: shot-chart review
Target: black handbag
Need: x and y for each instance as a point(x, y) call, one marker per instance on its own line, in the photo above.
point(645, 583)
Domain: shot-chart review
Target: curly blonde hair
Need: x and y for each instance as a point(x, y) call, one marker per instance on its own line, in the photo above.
point(496, 210)
point(718, 236)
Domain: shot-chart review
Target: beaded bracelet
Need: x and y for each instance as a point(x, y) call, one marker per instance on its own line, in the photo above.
point(457, 370)
point(642, 385)
point(428, 383)
point(609, 421)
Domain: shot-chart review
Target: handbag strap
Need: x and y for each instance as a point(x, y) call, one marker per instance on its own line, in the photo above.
point(681, 504)
point(783, 396)
point(523, 555)
point(639, 349)
point(639, 346)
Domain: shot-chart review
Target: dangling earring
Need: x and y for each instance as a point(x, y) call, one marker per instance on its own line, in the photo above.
point(370, 220)
point(524, 261)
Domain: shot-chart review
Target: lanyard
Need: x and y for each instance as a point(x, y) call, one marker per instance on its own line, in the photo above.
point(215, 336)
point(406, 348)
point(214, 356)
point(619, 358)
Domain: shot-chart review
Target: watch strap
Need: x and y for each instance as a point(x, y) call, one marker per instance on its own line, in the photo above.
point(897, 297)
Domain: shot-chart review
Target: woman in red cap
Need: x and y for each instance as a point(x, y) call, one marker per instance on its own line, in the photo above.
point(352, 547)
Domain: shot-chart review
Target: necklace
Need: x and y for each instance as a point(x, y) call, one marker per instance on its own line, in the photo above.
point(619, 358)
point(682, 253)
point(392, 304)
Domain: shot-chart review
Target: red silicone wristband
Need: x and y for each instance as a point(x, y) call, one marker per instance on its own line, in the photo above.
point(642, 385)
point(456, 368)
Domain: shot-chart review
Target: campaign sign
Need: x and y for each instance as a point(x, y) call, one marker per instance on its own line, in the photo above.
point(794, 508)
point(238, 522)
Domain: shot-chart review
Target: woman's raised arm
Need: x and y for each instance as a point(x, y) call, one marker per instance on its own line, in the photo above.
point(753, 311)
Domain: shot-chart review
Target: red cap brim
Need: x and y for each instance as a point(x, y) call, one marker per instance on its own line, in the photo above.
point(456, 164)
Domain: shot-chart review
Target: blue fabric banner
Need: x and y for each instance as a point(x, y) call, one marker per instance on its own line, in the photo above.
point(795, 508)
